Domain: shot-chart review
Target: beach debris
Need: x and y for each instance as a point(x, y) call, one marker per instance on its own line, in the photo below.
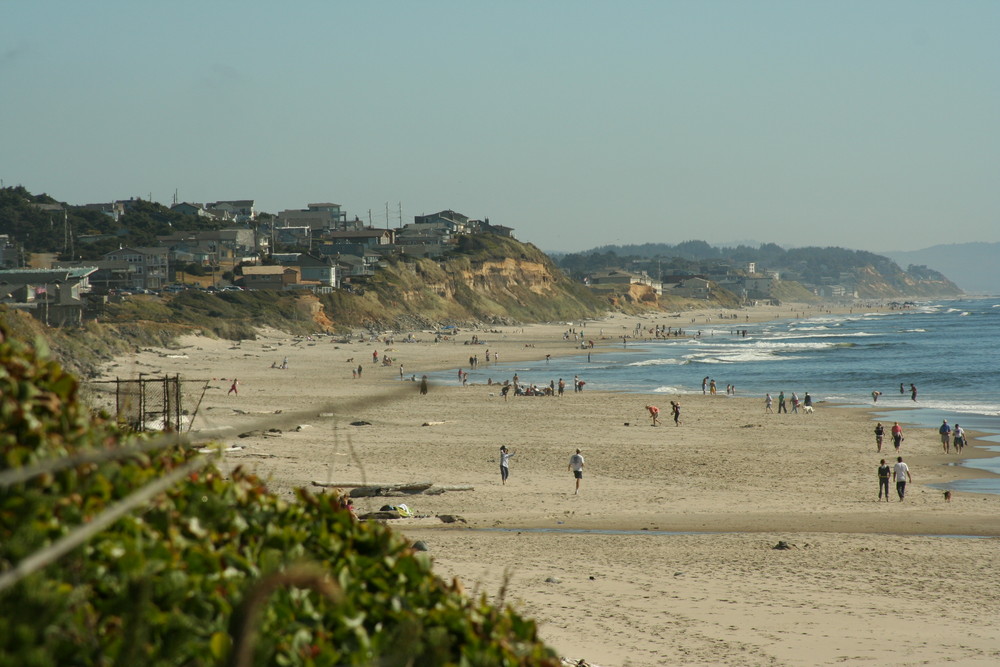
point(370, 489)
point(451, 518)
point(553, 580)
point(212, 450)
point(782, 545)
point(433, 423)
point(269, 433)
point(361, 422)
point(420, 545)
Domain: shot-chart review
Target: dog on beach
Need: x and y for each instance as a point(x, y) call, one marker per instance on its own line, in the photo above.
point(808, 409)
point(947, 496)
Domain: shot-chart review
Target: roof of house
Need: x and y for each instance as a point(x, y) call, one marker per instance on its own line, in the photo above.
point(359, 233)
point(23, 276)
point(265, 270)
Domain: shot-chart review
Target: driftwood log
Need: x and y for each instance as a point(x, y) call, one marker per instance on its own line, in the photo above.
point(368, 490)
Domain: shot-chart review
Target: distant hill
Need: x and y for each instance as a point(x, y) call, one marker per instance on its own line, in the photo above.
point(972, 266)
point(818, 270)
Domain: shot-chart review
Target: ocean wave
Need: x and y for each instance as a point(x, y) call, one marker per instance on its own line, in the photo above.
point(914, 330)
point(735, 357)
point(667, 390)
point(856, 334)
point(657, 362)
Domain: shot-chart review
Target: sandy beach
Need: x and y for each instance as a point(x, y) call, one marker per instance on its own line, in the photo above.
point(666, 556)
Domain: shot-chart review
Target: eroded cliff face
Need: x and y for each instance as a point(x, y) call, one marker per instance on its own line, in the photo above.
point(504, 283)
point(873, 284)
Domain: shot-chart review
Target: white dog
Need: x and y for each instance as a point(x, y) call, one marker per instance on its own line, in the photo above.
point(808, 409)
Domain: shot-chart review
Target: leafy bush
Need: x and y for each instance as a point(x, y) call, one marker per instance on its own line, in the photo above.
point(211, 569)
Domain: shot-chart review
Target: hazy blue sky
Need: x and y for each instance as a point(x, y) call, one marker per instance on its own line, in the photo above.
point(867, 124)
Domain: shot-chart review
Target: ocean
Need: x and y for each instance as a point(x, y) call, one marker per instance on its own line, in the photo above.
point(947, 348)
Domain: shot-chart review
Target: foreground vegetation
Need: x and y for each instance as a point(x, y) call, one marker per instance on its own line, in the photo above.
point(210, 570)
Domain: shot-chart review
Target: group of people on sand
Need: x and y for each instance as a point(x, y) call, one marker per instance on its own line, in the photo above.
point(949, 436)
point(675, 412)
point(806, 403)
point(576, 463)
point(516, 388)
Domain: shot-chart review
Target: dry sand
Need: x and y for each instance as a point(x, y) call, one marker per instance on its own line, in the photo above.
point(695, 580)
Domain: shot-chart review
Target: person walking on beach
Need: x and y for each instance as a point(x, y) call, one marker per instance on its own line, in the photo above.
point(901, 475)
point(505, 457)
point(654, 414)
point(768, 402)
point(562, 386)
point(807, 401)
point(913, 392)
point(576, 467)
point(704, 385)
point(423, 385)
point(879, 434)
point(781, 403)
point(795, 403)
point(883, 479)
point(232, 388)
point(897, 435)
point(958, 439)
point(711, 387)
point(945, 432)
point(675, 409)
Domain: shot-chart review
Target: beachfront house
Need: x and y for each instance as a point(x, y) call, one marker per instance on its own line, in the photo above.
point(320, 270)
point(53, 296)
point(240, 210)
point(693, 288)
point(320, 218)
point(269, 277)
point(149, 268)
point(454, 223)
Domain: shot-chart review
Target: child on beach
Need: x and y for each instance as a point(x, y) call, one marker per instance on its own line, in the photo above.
point(505, 457)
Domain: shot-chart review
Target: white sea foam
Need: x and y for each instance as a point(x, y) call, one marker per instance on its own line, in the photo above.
point(667, 390)
point(657, 362)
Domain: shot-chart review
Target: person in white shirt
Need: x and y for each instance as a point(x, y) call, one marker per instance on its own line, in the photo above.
point(576, 467)
point(504, 463)
point(901, 475)
point(958, 438)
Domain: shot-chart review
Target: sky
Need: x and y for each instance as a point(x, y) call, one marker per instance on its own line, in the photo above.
point(868, 124)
